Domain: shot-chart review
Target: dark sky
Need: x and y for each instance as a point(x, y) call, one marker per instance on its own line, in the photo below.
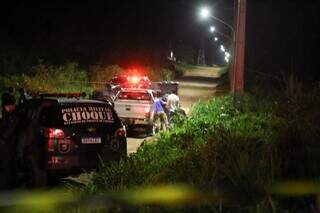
point(281, 34)
point(92, 30)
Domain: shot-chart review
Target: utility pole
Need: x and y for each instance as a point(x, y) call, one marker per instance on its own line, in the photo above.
point(239, 57)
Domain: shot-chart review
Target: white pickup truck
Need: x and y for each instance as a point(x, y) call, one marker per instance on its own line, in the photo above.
point(135, 107)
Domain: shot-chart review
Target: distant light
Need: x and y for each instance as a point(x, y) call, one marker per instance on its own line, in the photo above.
point(215, 38)
point(204, 12)
point(226, 59)
point(134, 79)
point(227, 54)
point(222, 48)
point(212, 29)
point(171, 54)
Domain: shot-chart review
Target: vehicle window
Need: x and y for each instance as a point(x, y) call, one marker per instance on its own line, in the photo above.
point(74, 114)
point(134, 96)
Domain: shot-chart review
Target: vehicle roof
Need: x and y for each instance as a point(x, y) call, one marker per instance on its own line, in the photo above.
point(74, 100)
point(71, 100)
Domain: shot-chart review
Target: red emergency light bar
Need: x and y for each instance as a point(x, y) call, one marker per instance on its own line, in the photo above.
point(133, 79)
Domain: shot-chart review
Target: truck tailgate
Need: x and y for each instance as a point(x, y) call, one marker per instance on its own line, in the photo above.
point(133, 109)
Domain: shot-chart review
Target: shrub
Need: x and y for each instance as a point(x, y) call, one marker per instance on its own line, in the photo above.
point(100, 74)
point(65, 78)
point(237, 151)
point(44, 78)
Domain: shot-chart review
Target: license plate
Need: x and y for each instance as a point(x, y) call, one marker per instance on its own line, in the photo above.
point(90, 140)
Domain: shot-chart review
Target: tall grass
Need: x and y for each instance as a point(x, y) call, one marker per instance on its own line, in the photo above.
point(239, 152)
point(68, 77)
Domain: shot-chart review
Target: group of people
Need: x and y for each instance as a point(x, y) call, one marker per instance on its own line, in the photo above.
point(165, 107)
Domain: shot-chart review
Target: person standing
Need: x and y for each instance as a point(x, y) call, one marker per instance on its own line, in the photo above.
point(160, 116)
point(108, 93)
point(23, 96)
point(8, 102)
point(173, 105)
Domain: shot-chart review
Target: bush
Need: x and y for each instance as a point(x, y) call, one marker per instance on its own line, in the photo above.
point(48, 78)
point(237, 151)
point(100, 74)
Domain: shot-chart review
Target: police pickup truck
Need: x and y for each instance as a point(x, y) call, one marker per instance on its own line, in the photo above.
point(136, 107)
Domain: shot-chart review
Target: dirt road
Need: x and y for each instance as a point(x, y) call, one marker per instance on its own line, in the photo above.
point(196, 85)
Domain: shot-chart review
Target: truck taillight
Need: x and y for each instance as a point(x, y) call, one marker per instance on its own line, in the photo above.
point(121, 132)
point(53, 136)
point(54, 133)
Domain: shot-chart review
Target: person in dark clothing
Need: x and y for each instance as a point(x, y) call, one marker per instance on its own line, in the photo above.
point(23, 96)
point(8, 102)
point(14, 134)
point(8, 127)
point(106, 94)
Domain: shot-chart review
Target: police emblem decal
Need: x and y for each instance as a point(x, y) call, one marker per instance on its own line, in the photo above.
point(64, 146)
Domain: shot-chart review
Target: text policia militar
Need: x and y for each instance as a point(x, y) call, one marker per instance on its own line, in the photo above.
point(75, 115)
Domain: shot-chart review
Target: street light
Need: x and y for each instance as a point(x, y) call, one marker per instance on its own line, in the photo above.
point(226, 56)
point(222, 48)
point(204, 12)
point(213, 29)
point(237, 47)
point(215, 38)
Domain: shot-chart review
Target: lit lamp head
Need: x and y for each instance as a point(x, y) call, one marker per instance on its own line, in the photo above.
point(222, 48)
point(204, 13)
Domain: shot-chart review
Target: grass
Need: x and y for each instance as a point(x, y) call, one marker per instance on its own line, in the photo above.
point(68, 77)
point(184, 66)
point(236, 152)
point(224, 69)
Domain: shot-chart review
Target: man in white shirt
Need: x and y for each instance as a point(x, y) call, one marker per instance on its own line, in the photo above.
point(173, 104)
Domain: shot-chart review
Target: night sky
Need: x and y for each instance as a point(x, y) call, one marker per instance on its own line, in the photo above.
point(281, 35)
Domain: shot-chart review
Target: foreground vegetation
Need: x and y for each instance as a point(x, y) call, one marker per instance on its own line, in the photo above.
point(234, 153)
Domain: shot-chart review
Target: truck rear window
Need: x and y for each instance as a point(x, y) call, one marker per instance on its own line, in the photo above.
point(71, 114)
point(134, 96)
